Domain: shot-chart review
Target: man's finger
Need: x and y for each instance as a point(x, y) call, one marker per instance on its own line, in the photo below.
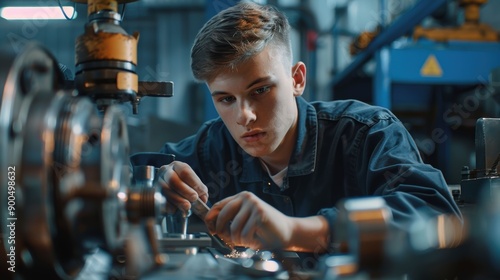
point(238, 222)
point(212, 215)
point(226, 215)
point(177, 184)
point(187, 175)
point(179, 201)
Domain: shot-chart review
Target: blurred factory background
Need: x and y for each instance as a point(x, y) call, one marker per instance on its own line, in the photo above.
point(435, 63)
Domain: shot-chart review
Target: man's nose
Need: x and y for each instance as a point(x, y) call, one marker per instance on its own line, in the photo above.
point(246, 114)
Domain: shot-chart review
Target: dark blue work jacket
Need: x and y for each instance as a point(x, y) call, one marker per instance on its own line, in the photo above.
point(343, 149)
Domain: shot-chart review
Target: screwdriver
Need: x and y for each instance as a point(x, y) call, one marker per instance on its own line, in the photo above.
point(200, 209)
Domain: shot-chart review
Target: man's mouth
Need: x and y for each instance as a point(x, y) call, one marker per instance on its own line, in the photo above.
point(253, 136)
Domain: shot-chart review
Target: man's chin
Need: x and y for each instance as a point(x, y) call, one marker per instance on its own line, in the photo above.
point(255, 152)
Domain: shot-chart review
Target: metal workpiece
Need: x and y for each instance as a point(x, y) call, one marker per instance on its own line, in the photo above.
point(144, 176)
point(362, 230)
point(143, 202)
point(146, 167)
point(177, 223)
point(172, 236)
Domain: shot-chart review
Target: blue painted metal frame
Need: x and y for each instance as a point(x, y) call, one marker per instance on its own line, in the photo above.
point(401, 26)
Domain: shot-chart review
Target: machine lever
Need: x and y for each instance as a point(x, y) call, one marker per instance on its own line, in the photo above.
point(156, 89)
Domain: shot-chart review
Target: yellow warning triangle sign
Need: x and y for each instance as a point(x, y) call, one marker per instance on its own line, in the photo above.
point(431, 67)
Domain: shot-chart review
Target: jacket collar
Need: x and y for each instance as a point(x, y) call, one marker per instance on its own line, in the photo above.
point(303, 157)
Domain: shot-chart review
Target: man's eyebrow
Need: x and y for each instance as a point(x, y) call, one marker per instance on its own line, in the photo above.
point(218, 93)
point(256, 81)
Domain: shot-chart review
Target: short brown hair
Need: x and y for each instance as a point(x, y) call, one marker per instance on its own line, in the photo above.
point(236, 34)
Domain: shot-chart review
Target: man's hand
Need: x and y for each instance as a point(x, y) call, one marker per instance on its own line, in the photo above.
point(181, 186)
point(246, 220)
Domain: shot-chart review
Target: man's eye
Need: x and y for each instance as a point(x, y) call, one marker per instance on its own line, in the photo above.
point(262, 90)
point(227, 99)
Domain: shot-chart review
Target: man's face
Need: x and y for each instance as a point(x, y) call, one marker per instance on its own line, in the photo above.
point(256, 102)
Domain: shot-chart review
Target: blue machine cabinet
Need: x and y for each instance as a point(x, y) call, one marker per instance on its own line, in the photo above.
point(433, 63)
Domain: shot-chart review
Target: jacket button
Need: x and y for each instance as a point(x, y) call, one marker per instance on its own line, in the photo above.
point(286, 199)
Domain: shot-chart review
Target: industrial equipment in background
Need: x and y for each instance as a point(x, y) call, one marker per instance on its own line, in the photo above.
point(429, 63)
point(75, 204)
point(484, 179)
point(472, 29)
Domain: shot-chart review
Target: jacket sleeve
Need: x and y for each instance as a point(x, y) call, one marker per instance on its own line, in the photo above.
point(387, 163)
point(394, 170)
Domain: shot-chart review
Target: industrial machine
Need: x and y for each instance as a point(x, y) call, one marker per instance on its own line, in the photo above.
point(483, 179)
point(67, 190)
point(425, 63)
point(75, 205)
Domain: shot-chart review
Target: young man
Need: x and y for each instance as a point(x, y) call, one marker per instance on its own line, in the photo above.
point(273, 166)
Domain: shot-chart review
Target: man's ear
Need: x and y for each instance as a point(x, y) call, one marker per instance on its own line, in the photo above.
point(299, 78)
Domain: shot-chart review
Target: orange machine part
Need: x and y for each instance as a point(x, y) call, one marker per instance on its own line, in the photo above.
point(106, 46)
point(127, 80)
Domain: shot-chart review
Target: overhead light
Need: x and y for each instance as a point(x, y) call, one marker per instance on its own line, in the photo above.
point(36, 12)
